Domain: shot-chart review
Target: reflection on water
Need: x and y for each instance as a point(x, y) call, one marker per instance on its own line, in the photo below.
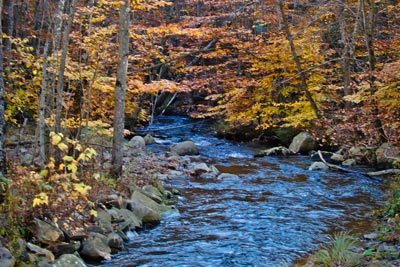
point(274, 212)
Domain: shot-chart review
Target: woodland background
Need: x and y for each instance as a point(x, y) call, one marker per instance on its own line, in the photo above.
point(74, 69)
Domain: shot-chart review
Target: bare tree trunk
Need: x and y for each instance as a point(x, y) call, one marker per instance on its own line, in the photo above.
point(369, 24)
point(348, 41)
point(43, 131)
point(3, 161)
point(120, 88)
point(61, 70)
point(57, 29)
point(296, 58)
point(10, 28)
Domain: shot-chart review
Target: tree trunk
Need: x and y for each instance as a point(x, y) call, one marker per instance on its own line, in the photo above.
point(296, 58)
point(3, 161)
point(57, 28)
point(43, 131)
point(61, 70)
point(10, 29)
point(369, 24)
point(120, 88)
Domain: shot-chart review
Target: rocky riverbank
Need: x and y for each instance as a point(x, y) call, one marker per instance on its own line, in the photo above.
point(135, 201)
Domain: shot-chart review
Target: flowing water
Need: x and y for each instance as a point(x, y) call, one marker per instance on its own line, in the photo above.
point(273, 212)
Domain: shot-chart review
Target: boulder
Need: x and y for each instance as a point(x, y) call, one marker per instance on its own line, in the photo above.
point(62, 248)
point(115, 241)
point(148, 202)
point(337, 158)
point(184, 148)
point(149, 209)
point(124, 215)
point(274, 151)
point(148, 139)
point(96, 248)
point(349, 162)
point(362, 155)
point(6, 258)
point(153, 193)
point(200, 168)
point(39, 254)
point(303, 143)
point(386, 155)
point(48, 232)
point(318, 165)
point(137, 142)
point(69, 260)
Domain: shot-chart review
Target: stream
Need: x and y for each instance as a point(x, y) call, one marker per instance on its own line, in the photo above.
point(274, 212)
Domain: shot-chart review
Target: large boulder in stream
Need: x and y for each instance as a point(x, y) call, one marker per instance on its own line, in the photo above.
point(303, 143)
point(184, 148)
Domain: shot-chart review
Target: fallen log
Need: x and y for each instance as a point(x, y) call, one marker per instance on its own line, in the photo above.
point(369, 174)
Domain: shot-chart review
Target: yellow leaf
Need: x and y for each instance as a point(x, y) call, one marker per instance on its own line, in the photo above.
point(72, 167)
point(82, 188)
point(40, 199)
point(56, 138)
point(44, 173)
point(93, 212)
point(62, 147)
point(68, 158)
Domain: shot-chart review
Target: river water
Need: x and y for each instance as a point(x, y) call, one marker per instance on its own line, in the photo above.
point(273, 213)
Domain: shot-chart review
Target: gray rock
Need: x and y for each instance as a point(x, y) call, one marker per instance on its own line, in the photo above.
point(62, 248)
point(357, 152)
point(41, 253)
point(363, 155)
point(6, 258)
point(96, 248)
point(148, 139)
point(200, 168)
point(224, 175)
point(69, 260)
point(184, 148)
point(318, 165)
point(115, 241)
point(152, 193)
point(148, 202)
point(48, 232)
point(337, 158)
point(349, 162)
point(124, 215)
point(274, 151)
point(149, 209)
point(372, 235)
point(303, 143)
point(137, 142)
point(386, 155)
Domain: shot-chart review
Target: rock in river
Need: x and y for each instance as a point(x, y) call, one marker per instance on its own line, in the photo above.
point(302, 143)
point(185, 148)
